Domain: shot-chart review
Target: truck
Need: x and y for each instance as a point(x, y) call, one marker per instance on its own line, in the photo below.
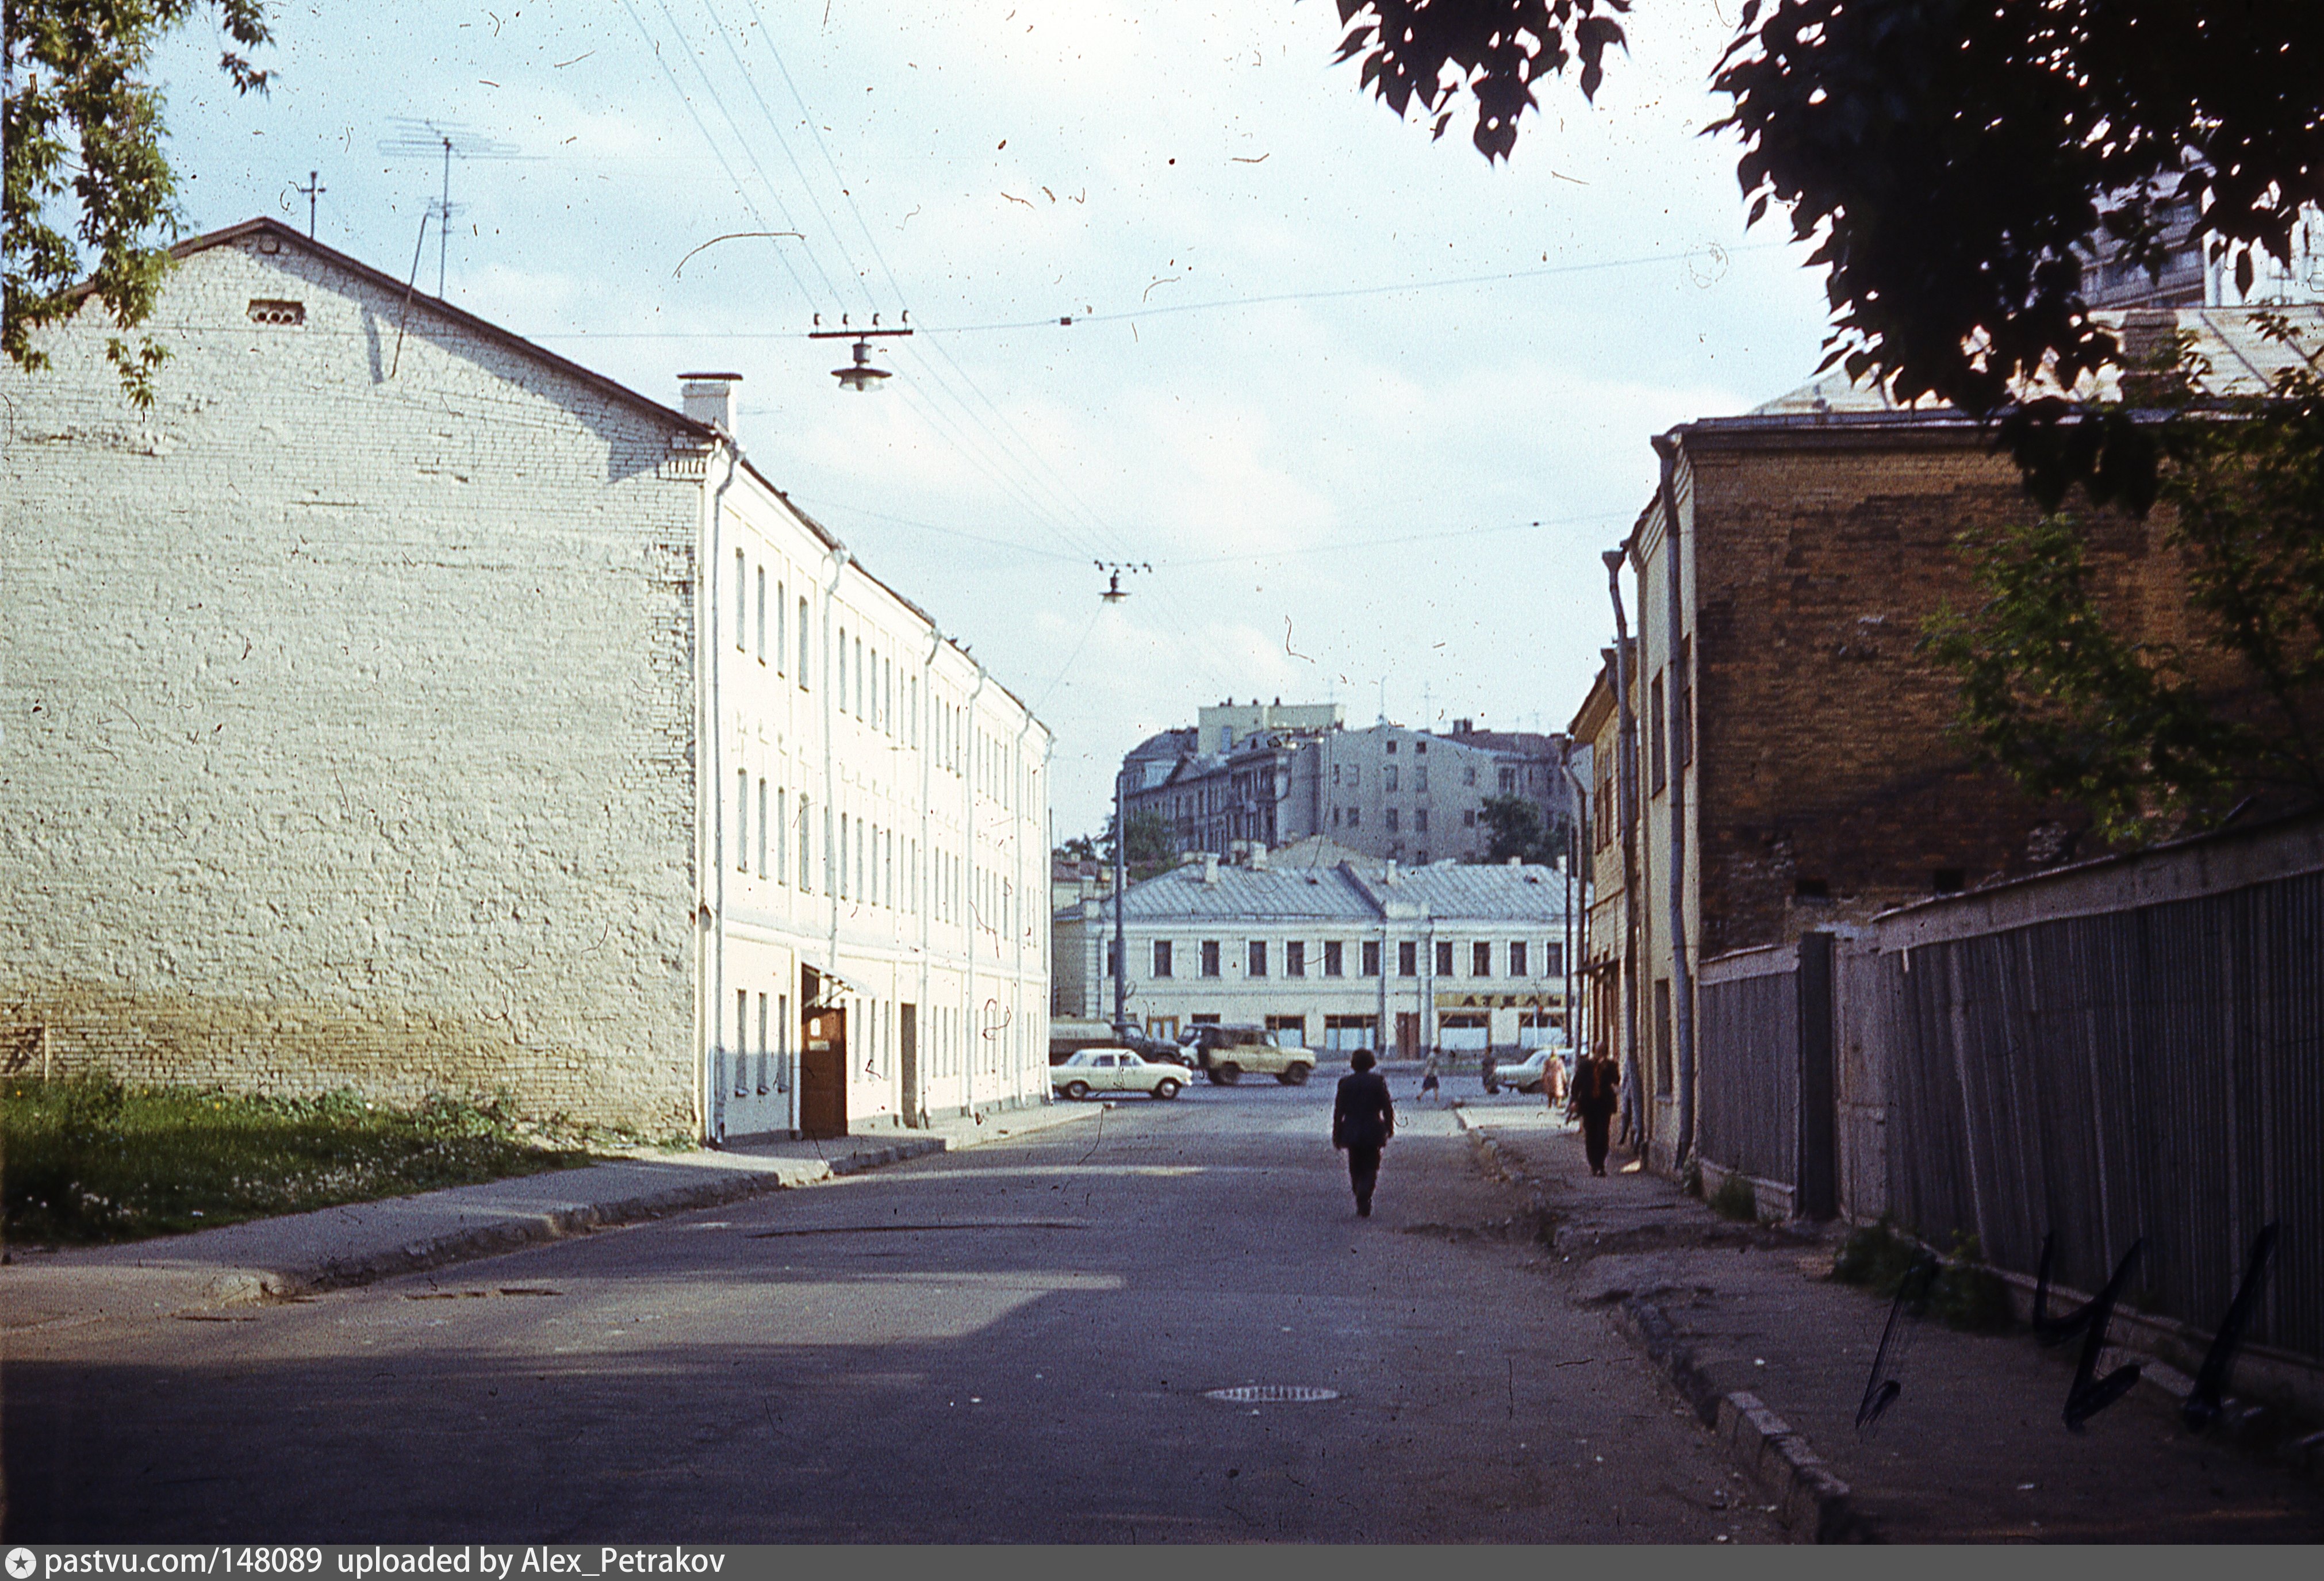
point(1226, 1053)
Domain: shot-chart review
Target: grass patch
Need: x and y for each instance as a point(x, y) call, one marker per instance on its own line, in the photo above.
point(1736, 1198)
point(89, 1161)
point(1963, 1291)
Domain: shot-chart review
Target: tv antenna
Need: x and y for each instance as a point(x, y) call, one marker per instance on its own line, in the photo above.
point(313, 190)
point(449, 141)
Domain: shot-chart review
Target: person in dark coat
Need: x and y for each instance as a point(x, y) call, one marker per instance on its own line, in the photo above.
point(1364, 1118)
point(1596, 1093)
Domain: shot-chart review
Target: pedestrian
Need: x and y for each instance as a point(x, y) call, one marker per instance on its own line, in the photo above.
point(1489, 1071)
point(1364, 1118)
point(1596, 1093)
point(1429, 1086)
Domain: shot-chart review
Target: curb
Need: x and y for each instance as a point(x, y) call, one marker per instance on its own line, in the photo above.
point(510, 1235)
point(1813, 1505)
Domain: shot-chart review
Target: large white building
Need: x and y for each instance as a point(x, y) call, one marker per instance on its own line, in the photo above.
point(1343, 951)
point(399, 706)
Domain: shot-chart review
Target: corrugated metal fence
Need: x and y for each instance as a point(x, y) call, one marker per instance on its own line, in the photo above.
point(1747, 1113)
point(2149, 1070)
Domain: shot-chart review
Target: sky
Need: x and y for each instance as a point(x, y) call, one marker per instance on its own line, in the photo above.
point(1361, 409)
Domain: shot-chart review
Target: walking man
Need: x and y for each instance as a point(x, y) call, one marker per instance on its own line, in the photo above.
point(1364, 1118)
point(1596, 1093)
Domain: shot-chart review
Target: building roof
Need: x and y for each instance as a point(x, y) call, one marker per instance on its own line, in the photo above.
point(1303, 883)
point(508, 340)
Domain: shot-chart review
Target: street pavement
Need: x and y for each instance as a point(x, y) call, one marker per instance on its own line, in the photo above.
point(1016, 1343)
point(1973, 1449)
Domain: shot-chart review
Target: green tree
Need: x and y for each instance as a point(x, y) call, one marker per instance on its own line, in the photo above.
point(2156, 737)
point(84, 133)
point(1518, 831)
point(1949, 158)
point(1151, 848)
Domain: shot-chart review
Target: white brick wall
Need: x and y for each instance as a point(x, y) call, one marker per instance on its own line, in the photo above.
point(348, 716)
point(351, 706)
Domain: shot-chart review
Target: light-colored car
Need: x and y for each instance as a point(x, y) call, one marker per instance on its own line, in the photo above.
point(1527, 1075)
point(1229, 1053)
point(1114, 1070)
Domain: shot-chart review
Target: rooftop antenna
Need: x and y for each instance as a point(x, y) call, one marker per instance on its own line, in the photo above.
point(450, 140)
point(313, 189)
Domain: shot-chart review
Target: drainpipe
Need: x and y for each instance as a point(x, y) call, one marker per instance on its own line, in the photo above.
point(1120, 928)
point(1017, 845)
point(1574, 845)
point(924, 886)
point(968, 738)
point(1682, 973)
point(709, 1083)
point(839, 555)
point(1627, 774)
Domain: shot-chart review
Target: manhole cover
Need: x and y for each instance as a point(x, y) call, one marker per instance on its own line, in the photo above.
point(1273, 1393)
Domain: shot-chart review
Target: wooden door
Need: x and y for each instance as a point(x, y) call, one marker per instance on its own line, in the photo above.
point(1408, 1036)
point(823, 1074)
point(908, 1062)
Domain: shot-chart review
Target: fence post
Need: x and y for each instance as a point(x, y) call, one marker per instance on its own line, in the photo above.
point(1819, 1119)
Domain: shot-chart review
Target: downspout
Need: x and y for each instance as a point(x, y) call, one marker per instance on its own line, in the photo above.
point(1120, 889)
point(924, 891)
point(1017, 841)
point(714, 1017)
point(1682, 975)
point(968, 765)
point(1627, 774)
point(839, 556)
point(1573, 937)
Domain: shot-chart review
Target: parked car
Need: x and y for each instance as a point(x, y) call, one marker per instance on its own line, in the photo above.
point(1226, 1052)
point(1116, 1070)
point(1527, 1075)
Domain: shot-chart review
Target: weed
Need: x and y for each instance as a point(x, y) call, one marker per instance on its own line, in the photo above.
point(1735, 1198)
point(1876, 1257)
point(1968, 1295)
point(1690, 1177)
point(91, 1161)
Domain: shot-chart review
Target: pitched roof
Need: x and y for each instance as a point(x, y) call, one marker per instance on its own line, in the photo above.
point(1351, 890)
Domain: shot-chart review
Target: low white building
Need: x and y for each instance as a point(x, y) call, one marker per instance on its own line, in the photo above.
point(1343, 951)
point(398, 707)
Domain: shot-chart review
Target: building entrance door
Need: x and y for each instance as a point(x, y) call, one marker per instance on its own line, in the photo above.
point(823, 1074)
point(907, 1063)
point(1408, 1036)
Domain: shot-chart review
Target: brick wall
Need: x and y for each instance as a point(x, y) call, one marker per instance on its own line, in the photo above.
point(349, 709)
point(1825, 753)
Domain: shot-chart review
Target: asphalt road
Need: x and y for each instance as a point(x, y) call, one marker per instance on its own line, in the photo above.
point(1013, 1344)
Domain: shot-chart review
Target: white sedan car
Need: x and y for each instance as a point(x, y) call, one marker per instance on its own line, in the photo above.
point(1096, 1071)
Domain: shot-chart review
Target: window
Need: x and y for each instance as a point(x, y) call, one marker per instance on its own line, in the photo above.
point(1161, 957)
point(1391, 820)
point(1420, 823)
point(1371, 958)
point(1481, 959)
point(1258, 958)
point(859, 679)
point(762, 1042)
point(743, 820)
point(1407, 959)
point(1443, 957)
point(1657, 761)
point(1335, 817)
point(763, 614)
point(802, 644)
point(782, 823)
point(779, 607)
point(876, 716)
point(1682, 700)
point(1210, 958)
point(741, 604)
point(1507, 780)
point(1355, 776)
point(806, 844)
point(1663, 1035)
point(1295, 959)
point(1391, 748)
point(1419, 779)
point(1419, 747)
point(763, 829)
point(842, 890)
point(1468, 774)
point(841, 675)
point(1335, 774)
point(1333, 965)
point(741, 1036)
point(1553, 959)
point(1112, 959)
point(1468, 817)
point(1517, 958)
point(1355, 817)
point(1388, 781)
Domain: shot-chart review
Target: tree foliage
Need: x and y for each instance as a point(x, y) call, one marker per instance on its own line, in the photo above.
point(1518, 831)
point(84, 133)
point(2151, 737)
point(1948, 157)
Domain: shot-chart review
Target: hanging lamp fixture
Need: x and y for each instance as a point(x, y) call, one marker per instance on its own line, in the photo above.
point(860, 374)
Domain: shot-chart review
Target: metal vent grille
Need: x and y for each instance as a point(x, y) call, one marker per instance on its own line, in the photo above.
point(1273, 1395)
point(274, 310)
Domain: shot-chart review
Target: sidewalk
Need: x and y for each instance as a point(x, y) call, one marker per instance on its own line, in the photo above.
point(1775, 1356)
point(272, 1259)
